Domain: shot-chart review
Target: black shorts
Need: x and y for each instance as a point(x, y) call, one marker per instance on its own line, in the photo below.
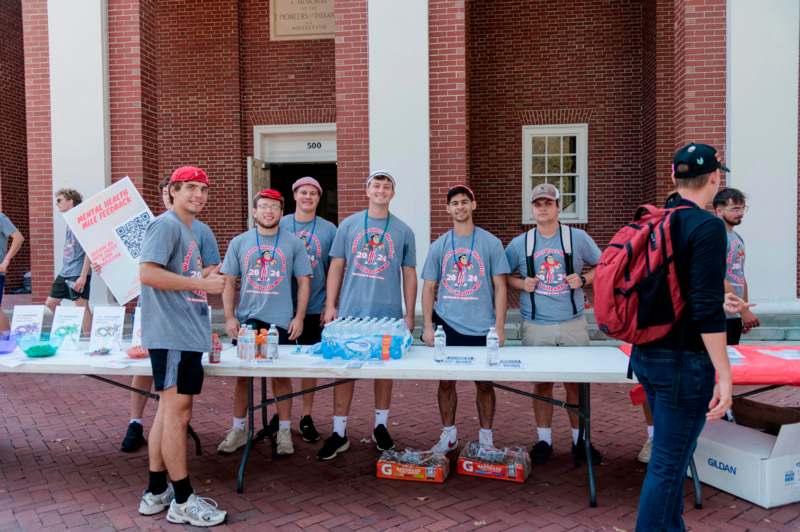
point(455, 338)
point(283, 334)
point(183, 369)
point(60, 290)
point(312, 330)
point(733, 327)
point(2, 286)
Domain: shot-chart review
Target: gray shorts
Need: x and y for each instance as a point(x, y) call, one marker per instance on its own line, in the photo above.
point(571, 333)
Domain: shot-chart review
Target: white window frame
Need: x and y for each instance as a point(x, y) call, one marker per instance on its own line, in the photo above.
point(581, 133)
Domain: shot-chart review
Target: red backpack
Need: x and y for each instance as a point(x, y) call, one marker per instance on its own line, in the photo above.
point(637, 297)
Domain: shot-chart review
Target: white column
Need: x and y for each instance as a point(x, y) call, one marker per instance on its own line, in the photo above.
point(399, 125)
point(762, 96)
point(79, 107)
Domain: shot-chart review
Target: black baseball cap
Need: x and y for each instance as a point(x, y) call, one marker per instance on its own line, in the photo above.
point(460, 189)
point(695, 160)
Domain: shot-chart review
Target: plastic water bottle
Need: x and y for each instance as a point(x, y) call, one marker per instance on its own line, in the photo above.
point(492, 347)
point(241, 343)
point(250, 344)
point(439, 343)
point(272, 343)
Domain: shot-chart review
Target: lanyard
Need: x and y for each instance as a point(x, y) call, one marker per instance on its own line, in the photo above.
point(274, 247)
point(453, 247)
point(313, 226)
point(385, 227)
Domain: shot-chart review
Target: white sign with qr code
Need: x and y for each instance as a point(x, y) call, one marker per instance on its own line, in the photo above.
point(110, 227)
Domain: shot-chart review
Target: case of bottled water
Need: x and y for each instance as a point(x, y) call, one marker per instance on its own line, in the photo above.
point(365, 338)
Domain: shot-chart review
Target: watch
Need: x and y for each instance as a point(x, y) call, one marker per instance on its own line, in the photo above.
point(583, 281)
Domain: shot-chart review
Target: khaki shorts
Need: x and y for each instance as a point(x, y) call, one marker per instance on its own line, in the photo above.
point(572, 333)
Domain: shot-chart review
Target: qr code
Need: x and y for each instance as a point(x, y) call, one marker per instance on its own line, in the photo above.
point(132, 233)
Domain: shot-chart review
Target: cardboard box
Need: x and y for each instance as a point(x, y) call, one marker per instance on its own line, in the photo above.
point(398, 471)
point(514, 466)
point(758, 467)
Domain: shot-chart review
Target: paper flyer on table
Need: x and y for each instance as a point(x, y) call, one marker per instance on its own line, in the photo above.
point(27, 320)
point(107, 325)
point(67, 322)
point(110, 227)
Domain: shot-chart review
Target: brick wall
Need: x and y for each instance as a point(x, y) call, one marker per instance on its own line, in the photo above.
point(132, 95)
point(199, 105)
point(37, 120)
point(448, 105)
point(700, 72)
point(352, 105)
point(562, 66)
point(13, 150)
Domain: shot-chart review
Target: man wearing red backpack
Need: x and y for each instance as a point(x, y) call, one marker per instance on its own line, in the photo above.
point(549, 261)
point(678, 370)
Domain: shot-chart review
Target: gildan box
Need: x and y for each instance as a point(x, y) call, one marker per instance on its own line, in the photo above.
point(758, 467)
point(398, 471)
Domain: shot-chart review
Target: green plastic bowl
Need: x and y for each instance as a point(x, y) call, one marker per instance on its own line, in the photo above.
point(34, 347)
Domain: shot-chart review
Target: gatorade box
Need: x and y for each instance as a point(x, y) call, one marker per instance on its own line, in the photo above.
point(508, 463)
point(421, 466)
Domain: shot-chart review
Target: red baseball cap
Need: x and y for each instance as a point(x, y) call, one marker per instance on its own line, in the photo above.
point(189, 173)
point(270, 193)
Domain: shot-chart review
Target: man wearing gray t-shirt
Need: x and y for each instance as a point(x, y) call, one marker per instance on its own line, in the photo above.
point(74, 280)
point(317, 235)
point(470, 268)
point(7, 230)
point(730, 205)
point(266, 259)
point(372, 273)
point(176, 330)
point(551, 279)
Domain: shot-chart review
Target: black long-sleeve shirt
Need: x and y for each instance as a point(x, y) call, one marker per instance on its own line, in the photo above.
point(699, 245)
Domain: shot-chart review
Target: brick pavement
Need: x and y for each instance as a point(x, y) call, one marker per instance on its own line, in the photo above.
point(61, 468)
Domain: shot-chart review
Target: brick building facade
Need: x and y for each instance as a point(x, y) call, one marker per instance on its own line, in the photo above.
point(190, 83)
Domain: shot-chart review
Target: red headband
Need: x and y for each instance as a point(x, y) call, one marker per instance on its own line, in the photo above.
point(189, 173)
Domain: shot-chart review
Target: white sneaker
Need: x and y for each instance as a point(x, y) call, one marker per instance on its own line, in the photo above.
point(644, 454)
point(235, 439)
point(444, 445)
point(285, 445)
point(196, 511)
point(155, 504)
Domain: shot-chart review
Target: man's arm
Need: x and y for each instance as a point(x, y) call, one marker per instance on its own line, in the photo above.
point(410, 294)
point(16, 242)
point(428, 294)
point(749, 319)
point(303, 293)
point(500, 306)
point(332, 286)
point(80, 282)
point(155, 276)
point(228, 297)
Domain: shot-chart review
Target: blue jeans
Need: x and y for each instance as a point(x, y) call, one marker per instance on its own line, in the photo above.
point(679, 386)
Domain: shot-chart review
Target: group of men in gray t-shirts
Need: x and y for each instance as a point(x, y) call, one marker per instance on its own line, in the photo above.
point(299, 272)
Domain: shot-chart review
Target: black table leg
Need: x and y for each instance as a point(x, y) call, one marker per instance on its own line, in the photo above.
point(698, 493)
point(250, 431)
point(585, 428)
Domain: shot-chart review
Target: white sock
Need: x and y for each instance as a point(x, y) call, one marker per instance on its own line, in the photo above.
point(238, 423)
point(284, 425)
point(452, 433)
point(382, 418)
point(575, 433)
point(650, 432)
point(545, 434)
point(135, 420)
point(340, 425)
point(485, 438)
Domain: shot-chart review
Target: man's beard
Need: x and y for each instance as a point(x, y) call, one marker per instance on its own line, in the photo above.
point(733, 222)
point(264, 226)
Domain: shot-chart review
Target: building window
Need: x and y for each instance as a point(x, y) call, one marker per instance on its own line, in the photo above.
point(558, 155)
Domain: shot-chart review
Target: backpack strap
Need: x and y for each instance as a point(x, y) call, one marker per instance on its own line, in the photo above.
point(530, 247)
point(565, 231)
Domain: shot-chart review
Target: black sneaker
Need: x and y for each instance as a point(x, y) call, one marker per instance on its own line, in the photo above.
point(383, 442)
point(332, 447)
point(272, 428)
point(308, 431)
point(134, 438)
point(541, 452)
point(579, 453)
